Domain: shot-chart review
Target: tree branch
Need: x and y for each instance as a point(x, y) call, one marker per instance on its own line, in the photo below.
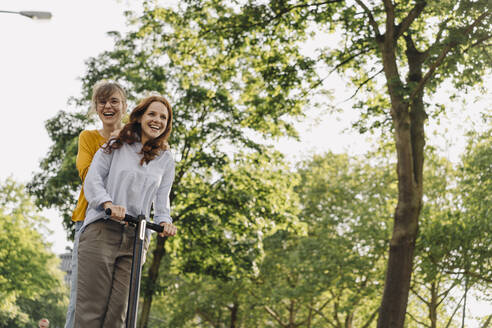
point(442, 27)
point(423, 324)
point(454, 312)
point(442, 56)
point(478, 42)
point(364, 83)
point(274, 315)
point(272, 18)
point(286, 10)
point(350, 58)
point(410, 18)
point(487, 322)
point(419, 297)
point(372, 21)
point(445, 293)
point(389, 8)
point(471, 274)
point(206, 318)
point(322, 315)
point(342, 63)
point(371, 318)
point(335, 312)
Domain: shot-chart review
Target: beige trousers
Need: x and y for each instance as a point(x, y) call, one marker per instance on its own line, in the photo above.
point(105, 256)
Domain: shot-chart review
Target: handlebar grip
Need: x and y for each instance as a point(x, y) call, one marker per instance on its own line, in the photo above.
point(155, 227)
point(128, 218)
point(131, 219)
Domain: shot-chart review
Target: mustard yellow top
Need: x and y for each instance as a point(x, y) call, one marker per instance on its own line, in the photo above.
point(89, 142)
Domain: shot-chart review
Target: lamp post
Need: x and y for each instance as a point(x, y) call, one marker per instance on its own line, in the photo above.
point(30, 14)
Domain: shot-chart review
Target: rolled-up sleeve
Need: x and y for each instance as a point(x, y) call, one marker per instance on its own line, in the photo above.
point(162, 206)
point(95, 181)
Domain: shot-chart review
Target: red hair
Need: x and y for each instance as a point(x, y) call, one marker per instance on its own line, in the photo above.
point(132, 131)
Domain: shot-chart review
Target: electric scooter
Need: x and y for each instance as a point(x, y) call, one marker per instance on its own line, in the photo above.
point(140, 225)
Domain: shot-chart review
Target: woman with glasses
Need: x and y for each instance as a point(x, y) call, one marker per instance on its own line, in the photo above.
point(130, 174)
point(109, 102)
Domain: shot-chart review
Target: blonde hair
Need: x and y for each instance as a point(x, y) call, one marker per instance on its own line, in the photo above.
point(102, 90)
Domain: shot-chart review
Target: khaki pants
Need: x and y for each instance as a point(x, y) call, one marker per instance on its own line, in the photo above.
point(105, 256)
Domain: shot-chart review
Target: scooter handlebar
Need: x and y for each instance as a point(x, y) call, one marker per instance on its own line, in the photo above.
point(131, 219)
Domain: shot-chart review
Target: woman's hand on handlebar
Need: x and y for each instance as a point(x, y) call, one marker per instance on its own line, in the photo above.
point(117, 211)
point(169, 229)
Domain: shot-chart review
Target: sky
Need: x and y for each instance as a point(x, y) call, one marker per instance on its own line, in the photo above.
point(41, 63)
point(40, 66)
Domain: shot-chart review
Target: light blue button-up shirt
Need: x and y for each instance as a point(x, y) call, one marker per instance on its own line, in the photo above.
point(118, 177)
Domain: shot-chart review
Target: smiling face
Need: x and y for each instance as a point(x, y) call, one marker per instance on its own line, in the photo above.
point(153, 121)
point(110, 110)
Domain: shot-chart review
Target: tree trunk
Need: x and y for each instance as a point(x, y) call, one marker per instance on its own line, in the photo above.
point(408, 119)
point(349, 320)
point(234, 310)
point(148, 291)
point(433, 306)
point(292, 314)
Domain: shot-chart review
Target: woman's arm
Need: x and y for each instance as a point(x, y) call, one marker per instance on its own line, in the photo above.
point(94, 186)
point(162, 207)
point(85, 154)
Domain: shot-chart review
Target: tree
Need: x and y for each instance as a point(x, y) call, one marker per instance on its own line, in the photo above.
point(475, 185)
point(432, 303)
point(236, 68)
point(31, 285)
point(453, 248)
point(417, 46)
point(232, 213)
point(330, 276)
point(324, 271)
point(216, 113)
point(57, 183)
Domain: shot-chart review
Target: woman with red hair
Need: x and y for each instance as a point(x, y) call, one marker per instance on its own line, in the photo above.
point(128, 175)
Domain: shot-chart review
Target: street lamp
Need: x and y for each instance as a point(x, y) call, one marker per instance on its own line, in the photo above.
point(30, 14)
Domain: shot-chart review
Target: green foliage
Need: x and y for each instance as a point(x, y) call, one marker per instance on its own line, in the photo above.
point(58, 182)
point(330, 269)
point(238, 71)
point(453, 250)
point(326, 268)
point(333, 273)
point(433, 288)
point(475, 185)
point(191, 299)
point(31, 285)
point(424, 31)
point(458, 238)
point(223, 221)
point(223, 218)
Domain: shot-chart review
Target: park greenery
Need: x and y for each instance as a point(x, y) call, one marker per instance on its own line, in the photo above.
point(397, 237)
point(31, 284)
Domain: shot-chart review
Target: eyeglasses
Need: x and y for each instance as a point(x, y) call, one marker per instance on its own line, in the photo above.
point(112, 102)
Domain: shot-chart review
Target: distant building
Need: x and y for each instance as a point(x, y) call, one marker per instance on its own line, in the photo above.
point(66, 265)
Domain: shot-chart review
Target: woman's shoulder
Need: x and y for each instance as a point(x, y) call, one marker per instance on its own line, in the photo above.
point(91, 138)
point(90, 134)
point(166, 156)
